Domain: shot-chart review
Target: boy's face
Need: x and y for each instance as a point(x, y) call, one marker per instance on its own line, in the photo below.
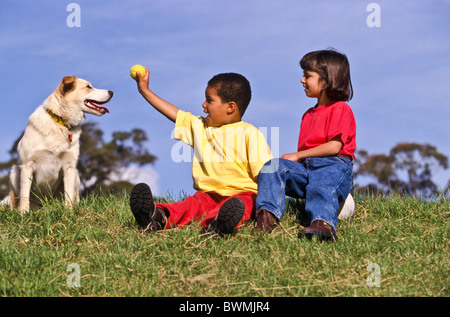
point(215, 109)
point(313, 83)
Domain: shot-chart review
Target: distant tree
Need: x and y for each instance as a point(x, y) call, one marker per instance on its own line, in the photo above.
point(6, 166)
point(446, 190)
point(101, 164)
point(407, 169)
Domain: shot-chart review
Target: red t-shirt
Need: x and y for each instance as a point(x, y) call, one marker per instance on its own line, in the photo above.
point(320, 125)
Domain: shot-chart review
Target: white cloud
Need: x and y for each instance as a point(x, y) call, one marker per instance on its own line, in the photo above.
point(135, 175)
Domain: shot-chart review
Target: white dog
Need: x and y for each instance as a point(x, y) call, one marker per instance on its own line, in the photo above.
point(49, 148)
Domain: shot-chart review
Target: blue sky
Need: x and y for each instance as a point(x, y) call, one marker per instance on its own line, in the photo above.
point(399, 70)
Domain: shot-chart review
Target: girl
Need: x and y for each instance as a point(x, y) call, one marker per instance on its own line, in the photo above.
point(321, 170)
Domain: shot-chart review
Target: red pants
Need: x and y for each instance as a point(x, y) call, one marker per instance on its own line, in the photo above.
point(204, 207)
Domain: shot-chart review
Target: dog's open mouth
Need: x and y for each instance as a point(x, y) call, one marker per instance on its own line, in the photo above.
point(95, 105)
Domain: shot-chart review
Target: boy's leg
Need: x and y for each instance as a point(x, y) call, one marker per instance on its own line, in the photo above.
point(193, 208)
point(230, 213)
point(249, 199)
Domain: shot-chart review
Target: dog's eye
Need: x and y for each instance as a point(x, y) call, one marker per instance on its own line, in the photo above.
point(89, 86)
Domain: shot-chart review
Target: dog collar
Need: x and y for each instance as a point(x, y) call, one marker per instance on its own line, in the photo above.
point(59, 121)
point(56, 118)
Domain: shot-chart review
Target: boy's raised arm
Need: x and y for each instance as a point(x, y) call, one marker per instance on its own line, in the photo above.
point(167, 109)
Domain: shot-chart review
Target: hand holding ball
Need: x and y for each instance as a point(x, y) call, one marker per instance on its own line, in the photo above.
point(135, 69)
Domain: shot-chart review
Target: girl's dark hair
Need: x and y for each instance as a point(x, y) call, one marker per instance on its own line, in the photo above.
point(334, 69)
point(232, 87)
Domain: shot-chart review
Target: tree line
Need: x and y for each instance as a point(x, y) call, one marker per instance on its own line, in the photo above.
point(407, 169)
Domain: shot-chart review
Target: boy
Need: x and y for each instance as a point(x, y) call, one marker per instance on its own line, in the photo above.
point(228, 155)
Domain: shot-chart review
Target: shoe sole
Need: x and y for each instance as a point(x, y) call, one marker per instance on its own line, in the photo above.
point(229, 216)
point(141, 204)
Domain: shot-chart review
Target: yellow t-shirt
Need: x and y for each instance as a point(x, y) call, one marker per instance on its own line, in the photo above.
point(226, 159)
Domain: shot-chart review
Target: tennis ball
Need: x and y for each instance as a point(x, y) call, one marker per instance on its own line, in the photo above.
point(135, 69)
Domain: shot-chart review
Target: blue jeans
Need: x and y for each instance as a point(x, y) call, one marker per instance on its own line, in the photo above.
point(321, 181)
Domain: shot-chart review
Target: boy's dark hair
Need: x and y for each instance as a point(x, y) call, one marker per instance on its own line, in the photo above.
point(334, 68)
point(232, 87)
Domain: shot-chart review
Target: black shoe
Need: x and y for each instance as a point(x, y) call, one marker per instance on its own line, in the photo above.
point(144, 210)
point(141, 204)
point(228, 217)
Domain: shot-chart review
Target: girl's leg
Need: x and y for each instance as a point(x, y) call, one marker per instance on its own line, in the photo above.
point(330, 181)
point(278, 178)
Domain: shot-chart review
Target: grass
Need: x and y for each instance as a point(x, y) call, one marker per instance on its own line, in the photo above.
point(395, 246)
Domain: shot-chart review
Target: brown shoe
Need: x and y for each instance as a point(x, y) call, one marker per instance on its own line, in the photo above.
point(265, 221)
point(322, 230)
point(158, 221)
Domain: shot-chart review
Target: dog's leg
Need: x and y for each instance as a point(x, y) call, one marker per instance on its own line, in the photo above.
point(12, 199)
point(70, 186)
point(14, 186)
point(26, 179)
point(77, 189)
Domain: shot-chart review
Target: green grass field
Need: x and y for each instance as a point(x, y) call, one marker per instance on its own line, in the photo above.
point(392, 247)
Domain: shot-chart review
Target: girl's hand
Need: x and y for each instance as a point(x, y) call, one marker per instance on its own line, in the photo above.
point(330, 148)
point(291, 156)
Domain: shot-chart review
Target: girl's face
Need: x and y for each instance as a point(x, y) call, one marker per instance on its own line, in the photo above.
point(313, 83)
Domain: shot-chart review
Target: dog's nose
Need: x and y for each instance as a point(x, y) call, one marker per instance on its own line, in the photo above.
point(110, 93)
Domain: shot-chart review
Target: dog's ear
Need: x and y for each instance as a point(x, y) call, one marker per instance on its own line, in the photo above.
point(67, 84)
